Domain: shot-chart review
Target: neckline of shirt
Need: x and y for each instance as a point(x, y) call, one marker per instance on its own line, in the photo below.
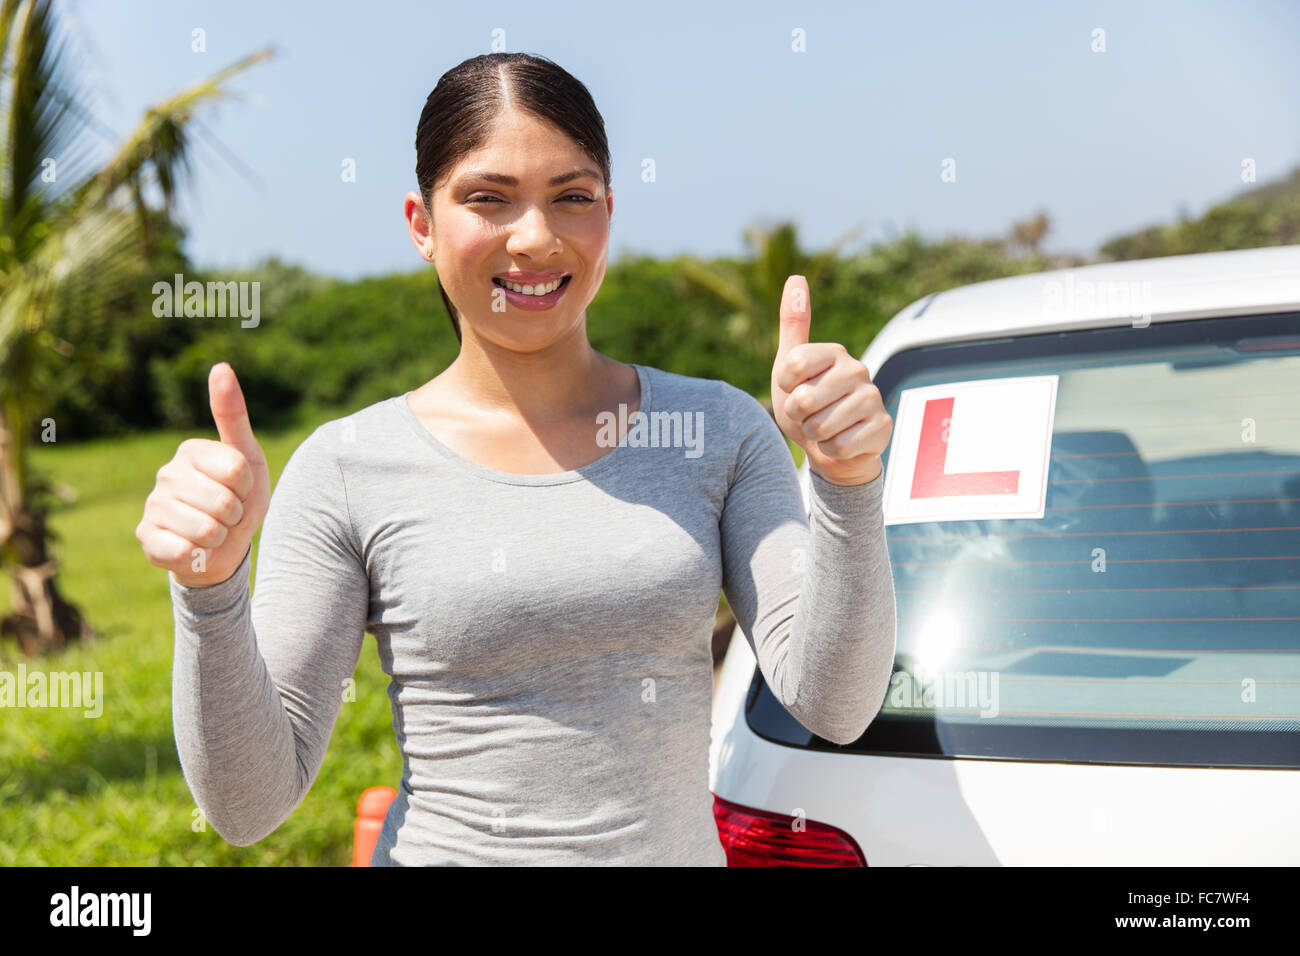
point(646, 405)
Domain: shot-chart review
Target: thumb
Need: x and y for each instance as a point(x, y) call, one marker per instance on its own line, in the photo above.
point(230, 413)
point(796, 315)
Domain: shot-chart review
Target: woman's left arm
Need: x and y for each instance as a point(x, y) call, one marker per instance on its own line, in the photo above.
point(814, 594)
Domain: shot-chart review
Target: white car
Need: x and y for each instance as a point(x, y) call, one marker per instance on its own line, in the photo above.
point(1098, 661)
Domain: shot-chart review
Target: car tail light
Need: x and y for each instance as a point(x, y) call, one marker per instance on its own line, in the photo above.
point(762, 838)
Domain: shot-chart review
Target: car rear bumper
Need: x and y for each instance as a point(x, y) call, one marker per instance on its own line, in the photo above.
point(941, 811)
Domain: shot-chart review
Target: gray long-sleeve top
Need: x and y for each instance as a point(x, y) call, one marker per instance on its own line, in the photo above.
point(547, 636)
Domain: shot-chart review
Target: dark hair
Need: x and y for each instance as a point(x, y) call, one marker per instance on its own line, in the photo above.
point(459, 113)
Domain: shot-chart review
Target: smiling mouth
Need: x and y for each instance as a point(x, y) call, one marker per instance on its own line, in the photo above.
point(501, 283)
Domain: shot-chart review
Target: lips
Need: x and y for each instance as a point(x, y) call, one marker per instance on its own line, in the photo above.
point(529, 302)
point(531, 278)
point(563, 277)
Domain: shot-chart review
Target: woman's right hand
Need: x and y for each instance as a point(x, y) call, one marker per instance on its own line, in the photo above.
point(210, 499)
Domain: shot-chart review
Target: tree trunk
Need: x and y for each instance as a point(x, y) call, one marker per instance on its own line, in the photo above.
point(40, 619)
point(724, 625)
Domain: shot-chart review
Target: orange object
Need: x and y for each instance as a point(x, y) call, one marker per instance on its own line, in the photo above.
point(371, 810)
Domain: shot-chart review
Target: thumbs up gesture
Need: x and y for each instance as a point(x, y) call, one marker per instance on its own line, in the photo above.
point(823, 398)
point(210, 499)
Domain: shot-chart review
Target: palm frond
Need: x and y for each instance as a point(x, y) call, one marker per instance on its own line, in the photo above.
point(161, 141)
point(819, 262)
point(721, 279)
point(37, 121)
point(99, 247)
point(8, 12)
point(88, 234)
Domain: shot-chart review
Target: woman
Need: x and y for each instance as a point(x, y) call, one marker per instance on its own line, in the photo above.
point(536, 537)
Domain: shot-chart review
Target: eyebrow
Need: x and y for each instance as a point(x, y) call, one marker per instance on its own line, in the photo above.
point(500, 178)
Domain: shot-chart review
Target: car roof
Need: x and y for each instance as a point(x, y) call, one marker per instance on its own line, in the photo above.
point(1133, 292)
point(1165, 289)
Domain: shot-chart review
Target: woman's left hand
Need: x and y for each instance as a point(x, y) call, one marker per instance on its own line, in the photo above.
point(823, 398)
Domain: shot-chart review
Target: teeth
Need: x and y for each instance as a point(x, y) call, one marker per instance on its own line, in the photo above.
point(543, 289)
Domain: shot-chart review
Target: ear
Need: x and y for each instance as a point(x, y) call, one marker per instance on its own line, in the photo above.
point(609, 202)
point(418, 224)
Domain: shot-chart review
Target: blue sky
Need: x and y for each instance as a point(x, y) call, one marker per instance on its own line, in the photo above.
point(742, 129)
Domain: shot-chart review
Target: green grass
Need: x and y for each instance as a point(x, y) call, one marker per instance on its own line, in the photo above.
point(108, 791)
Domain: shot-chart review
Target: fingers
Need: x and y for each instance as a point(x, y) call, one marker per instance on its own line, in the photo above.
point(230, 413)
point(796, 315)
point(220, 462)
point(197, 502)
point(166, 549)
point(805, 362)
point(208, 500)
point(842, 413)
point(865, 437)
point(212, 498)
point(186, 521)
point(819, 375)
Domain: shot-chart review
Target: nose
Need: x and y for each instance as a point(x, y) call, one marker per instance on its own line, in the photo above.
point(531, 235)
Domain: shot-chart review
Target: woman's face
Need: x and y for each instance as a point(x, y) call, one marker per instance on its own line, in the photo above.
point(502, 211)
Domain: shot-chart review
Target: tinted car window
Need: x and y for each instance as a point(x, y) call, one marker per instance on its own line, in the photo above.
point(1153, 614)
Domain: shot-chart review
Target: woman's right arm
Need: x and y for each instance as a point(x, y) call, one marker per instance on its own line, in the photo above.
point(257, 683)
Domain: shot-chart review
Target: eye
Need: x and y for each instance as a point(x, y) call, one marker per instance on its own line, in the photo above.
point(492, 199)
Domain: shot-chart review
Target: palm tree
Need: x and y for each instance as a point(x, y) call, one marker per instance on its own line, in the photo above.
point(1028, 233)
point(64, 225)
point(753, 288)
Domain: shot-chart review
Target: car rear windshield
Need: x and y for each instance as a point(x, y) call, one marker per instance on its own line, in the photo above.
point(1152, 615)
